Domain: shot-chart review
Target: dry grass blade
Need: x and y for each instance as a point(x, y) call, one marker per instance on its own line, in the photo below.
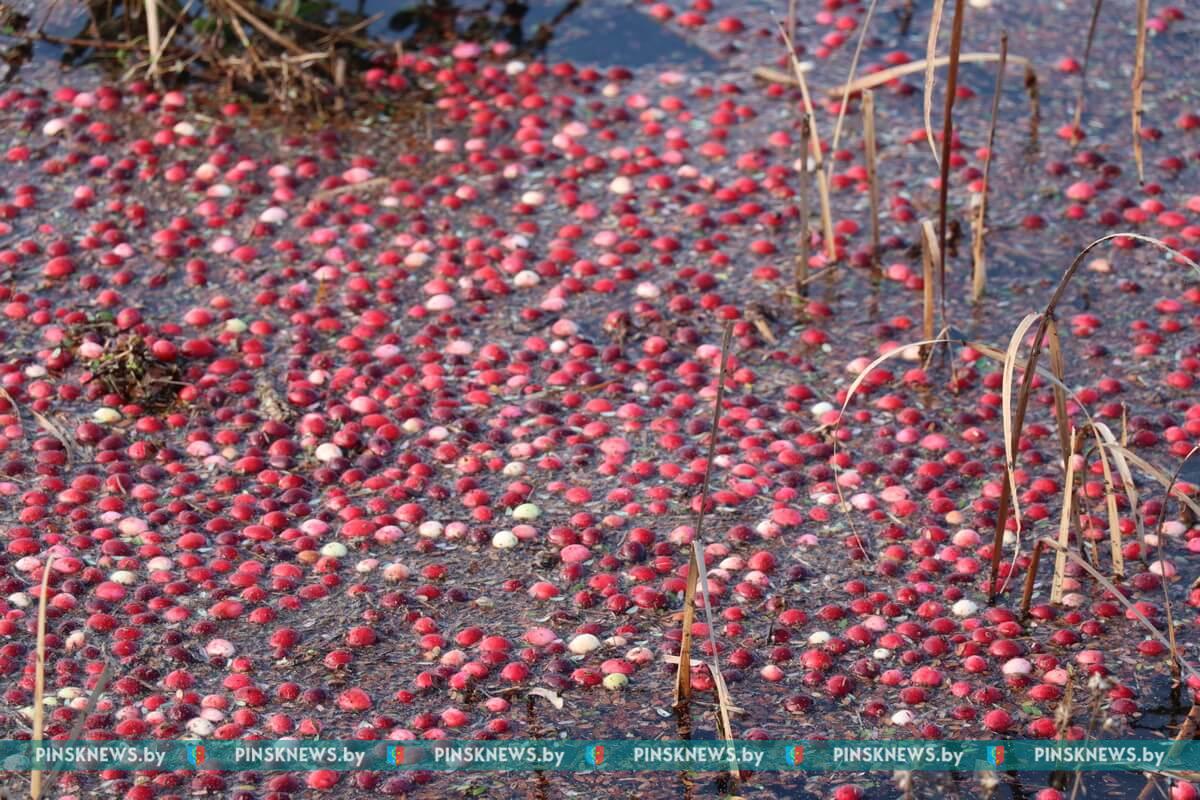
point(978, 252)
point(815, 148)
point(868, 112)
point(1139, 79)
point(1064, 532)
point(724, 704)
point(39, 676)
point(929, 257)
point(1162, 521)
point(862, 38)
point(352, 188)
point(1157, 474)
point(57, 432)
point(12, 403)
point(1087, 57)
point(1110, 504)
point(1060, 396)
point(935, 24)
point(1123, 600)
point(1012, 430)
point(947, 140)
point(683, 675)
point(1103, 435)
point(985, 350)
point(852, 390)
point(772, 75)
point(850, 394)
point(900, 70)
point(1010, 363)
point(1014, 423)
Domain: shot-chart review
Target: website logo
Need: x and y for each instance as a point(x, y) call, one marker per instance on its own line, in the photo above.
point(995, 755)
point(795, 755)
point(595, 756)
point(396, 755)
point(195, 755)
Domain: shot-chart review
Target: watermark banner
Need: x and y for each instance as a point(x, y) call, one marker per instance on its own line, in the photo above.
point(625, 755)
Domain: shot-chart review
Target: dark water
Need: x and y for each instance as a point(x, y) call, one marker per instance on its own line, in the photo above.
point(581, 31)
point(587, 32)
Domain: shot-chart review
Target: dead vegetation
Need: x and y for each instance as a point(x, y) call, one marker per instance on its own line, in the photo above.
point(296, 56)
point(127, 368)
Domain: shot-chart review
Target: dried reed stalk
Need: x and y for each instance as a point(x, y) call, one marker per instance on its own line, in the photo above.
point(978, 249)
point(1064, 532)
point(929, 257)
point(39, 676)
point(1139, 79)
point(805, 233)
point(862, 37)
point(935, 24)
point(869, 144)
point(815, 147)
point(1087, 57)
point(683, 674)
point(947, 139)
point(153, 35)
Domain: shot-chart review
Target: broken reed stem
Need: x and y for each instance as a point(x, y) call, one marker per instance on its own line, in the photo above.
point(947, 137)
point(39, 676)
point(826, 218)
point(929, 257)
point(978, 252)
point(683, 674)
point(815, 148)
point(153, 35)
point(1030, 575)
point(1087, 57)
point(868, 112)
point(805, 233)
point(1187, 731)
point(1139, 78)
point(1035, 102)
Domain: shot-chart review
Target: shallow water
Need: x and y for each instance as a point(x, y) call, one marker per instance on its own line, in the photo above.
point(1025, 264)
